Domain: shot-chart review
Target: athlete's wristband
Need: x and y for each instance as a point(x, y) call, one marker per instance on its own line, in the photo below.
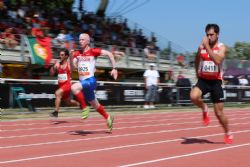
point(114, 68)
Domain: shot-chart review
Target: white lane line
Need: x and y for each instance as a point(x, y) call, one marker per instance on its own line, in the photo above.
point(120, 117)
point(186, 155)
point(113, 136)
point(91, 124)
point(117, 147)
point(183, 113)
point(99, 120)
point(130, 127)
point(127, 114)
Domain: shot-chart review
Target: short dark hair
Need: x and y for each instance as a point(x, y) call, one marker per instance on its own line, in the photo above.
point(66, 51)
point(213, 26)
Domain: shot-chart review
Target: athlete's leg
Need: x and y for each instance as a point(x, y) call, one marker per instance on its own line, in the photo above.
point(99, 108)
point(66, 96)
point(217, 95)
point(71, 102)
point(196, 98)
point(77, 91)
point(218, 109)
point(59, 95)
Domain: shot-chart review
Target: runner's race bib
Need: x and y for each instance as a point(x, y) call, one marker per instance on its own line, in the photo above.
point(209, 67)
point(84, 68)
point(62, 77)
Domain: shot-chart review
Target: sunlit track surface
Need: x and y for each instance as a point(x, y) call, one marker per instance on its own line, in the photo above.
point(141, 139)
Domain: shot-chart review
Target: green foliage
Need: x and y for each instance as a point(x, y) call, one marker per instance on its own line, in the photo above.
point(240, 51)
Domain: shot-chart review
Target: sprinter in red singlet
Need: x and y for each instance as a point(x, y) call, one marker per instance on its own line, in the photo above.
point(208, 65)
point(63, 71)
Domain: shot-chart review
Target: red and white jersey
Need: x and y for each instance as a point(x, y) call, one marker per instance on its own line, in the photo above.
point(86, 62)
point(208, 69)
point(64, 74)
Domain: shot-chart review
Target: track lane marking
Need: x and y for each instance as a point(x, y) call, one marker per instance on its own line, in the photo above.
point(113, 136)
point(126, 146)
point(185, 155)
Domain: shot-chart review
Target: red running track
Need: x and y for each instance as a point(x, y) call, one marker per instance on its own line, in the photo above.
point(173, 139)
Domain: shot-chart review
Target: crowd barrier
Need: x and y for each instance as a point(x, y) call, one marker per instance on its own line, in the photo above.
point(40, 93)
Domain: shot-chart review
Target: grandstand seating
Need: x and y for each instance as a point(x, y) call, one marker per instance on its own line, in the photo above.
point(131, 60)
point(105, 31)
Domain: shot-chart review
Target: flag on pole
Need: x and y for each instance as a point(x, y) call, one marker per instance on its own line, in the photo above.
point(40, 49)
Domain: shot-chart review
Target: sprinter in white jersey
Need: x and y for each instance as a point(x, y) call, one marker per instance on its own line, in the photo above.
point(84, 61)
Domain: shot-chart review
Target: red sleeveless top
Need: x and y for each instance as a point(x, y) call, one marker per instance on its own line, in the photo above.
point(64, 75)
point(208, 69)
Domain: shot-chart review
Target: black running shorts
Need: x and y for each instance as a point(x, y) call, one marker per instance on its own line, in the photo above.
point(212, 86)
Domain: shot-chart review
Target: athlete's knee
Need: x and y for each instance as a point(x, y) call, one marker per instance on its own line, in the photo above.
point(95, 104)
point(58, 94)
point(194, 97)
point(219, 113)
point(76, 88)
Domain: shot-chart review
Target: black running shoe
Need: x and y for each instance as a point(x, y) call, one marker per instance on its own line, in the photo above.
point(54, 114)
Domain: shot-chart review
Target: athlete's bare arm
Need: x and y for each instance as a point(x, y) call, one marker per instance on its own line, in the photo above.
point(197, 61)
point(217, 57)
point(53, 69)
point(114, 72)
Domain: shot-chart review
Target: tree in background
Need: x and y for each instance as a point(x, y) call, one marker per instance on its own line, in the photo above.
point(241, 50)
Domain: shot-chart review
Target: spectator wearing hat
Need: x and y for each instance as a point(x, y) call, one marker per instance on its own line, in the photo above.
point(152, 79)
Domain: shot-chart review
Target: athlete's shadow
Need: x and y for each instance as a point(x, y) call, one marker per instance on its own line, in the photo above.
point(198, 141)
point(55, 122)
point(84, 133)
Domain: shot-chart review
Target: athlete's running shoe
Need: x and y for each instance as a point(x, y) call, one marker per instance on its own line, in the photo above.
point(228, 139)
point(54, 114)
point(85, 113)
point(110, 121)
point(206, 119)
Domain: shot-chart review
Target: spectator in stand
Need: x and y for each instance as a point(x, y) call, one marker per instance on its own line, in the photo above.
point(180, 75)
point(150, 51)
point(169, 77)
point(70, 43)
point(37, 29)
point(153, 38)
point(8, 38)
point(2, 5)
point(28, 25)
point(61, 38)
point(37, 32)
point(152, 79)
